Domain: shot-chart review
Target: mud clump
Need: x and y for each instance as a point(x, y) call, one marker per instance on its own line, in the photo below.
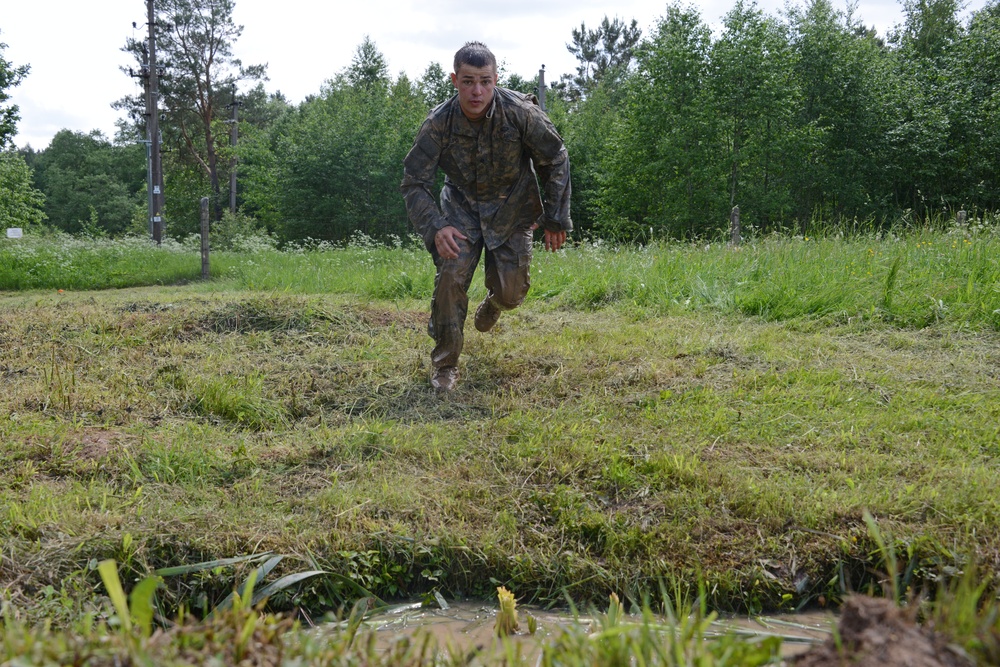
point(875, 632)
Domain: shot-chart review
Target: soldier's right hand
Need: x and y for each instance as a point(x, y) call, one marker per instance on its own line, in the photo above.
point(446, 243)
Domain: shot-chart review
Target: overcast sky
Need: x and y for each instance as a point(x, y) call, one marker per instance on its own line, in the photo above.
point(73, 47)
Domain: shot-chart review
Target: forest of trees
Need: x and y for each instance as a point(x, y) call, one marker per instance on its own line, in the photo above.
point(803, 118)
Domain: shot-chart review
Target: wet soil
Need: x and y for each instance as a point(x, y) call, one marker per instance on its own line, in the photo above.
point(873, 632)
point(467, 626)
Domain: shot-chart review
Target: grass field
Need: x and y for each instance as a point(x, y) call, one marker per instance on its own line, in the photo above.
point(677, 414)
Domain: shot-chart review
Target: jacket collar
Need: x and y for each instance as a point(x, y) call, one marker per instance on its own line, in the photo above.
point(460, 125)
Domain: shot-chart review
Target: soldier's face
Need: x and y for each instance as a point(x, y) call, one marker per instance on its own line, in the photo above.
point(475, 89)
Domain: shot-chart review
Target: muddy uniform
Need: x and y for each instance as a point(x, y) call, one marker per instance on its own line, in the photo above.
point(491, 195)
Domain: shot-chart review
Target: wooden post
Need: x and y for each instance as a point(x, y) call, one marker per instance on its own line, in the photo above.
point(734, 227)
point(204, 238)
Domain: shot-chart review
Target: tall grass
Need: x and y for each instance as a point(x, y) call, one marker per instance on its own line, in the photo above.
point(63, 262)
point(910, 279)
point(363, 267)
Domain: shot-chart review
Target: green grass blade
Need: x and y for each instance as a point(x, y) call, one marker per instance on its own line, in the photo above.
point(108, 570)
point(208, 565)
point(358, 612)
point(887, 551)
point(283, 583)
point(247, 588)
point(141, 603)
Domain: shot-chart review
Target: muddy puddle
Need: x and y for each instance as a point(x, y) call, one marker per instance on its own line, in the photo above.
point(468, 626)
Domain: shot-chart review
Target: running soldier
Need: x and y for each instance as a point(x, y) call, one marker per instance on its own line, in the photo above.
point(489, 142)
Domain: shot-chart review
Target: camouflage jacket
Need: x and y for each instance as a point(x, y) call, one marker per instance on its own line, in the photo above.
point(490, 186)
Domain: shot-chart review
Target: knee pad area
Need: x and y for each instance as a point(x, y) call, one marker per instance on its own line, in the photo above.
point(505, 300)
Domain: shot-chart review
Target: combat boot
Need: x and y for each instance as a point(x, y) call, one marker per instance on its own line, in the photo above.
point(444, 379)
point(486, 315)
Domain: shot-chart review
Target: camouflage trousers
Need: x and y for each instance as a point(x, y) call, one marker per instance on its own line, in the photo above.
point(507, 283)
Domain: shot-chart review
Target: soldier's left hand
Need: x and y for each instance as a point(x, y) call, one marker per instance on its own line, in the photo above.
point(554, 240)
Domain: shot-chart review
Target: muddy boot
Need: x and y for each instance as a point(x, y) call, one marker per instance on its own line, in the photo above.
point(486, 315)
point(444, 379)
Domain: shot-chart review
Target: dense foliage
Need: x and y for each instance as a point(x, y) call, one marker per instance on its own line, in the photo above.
point(91, 184)
point(20, 203)
point(801, 118)
point(10, 76)
point(807, 117)
point(332, 167)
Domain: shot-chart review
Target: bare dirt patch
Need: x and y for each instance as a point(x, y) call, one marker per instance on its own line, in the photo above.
point(95, 444)
point(408, 319)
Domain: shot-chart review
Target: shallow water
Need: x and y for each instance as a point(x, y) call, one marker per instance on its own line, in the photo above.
point(466, 626)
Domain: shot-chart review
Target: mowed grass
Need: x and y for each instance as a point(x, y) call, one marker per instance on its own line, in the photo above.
point(587, 450)
point(669, 414)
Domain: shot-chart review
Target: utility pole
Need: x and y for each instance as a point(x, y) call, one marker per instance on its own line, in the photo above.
point(143, 73)
point(541, 88)
point(153, 127)
point(234, 135)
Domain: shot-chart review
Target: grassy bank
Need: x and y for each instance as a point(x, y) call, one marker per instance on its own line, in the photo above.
point(910, 279)
point(670, 414)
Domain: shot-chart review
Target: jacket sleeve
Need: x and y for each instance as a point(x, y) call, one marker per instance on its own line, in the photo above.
point(551, 160)
point(419, 171)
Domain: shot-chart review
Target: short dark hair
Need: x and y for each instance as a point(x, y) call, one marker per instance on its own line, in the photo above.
point(475, 54)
